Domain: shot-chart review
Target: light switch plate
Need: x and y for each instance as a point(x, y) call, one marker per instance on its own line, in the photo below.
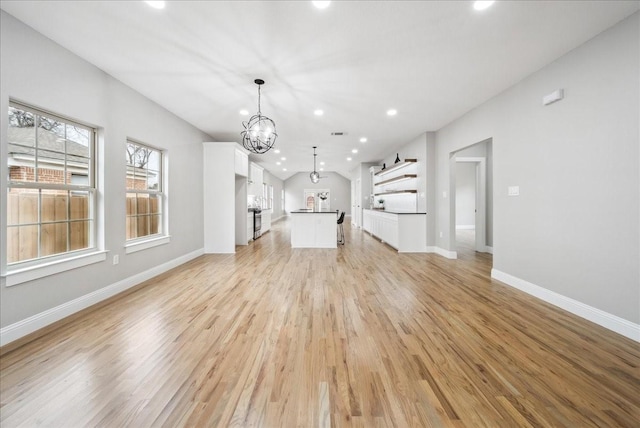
point(513, 190)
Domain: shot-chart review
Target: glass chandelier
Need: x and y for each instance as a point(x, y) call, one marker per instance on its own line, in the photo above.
point(259, 135)
point(315, 177)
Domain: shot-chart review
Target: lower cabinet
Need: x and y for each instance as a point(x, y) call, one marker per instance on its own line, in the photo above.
point(266, 221)
point(404, 232)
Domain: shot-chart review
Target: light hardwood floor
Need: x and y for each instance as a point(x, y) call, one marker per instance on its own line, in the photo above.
point(355, 336)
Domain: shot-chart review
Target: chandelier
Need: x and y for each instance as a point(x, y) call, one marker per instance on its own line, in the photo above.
point(259, 135)
point(315, 177)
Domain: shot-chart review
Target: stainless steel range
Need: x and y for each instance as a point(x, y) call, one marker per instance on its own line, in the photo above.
point(257, 222)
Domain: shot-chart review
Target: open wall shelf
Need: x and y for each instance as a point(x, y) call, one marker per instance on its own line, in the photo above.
point(395, 167)
point(396, 179)
point(395, 192)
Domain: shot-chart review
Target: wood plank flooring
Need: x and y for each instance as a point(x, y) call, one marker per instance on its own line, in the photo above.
point(357, 336)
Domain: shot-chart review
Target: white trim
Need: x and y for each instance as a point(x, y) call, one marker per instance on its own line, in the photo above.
point(18, 276)
point(600, 317)
point(134, 247)
point(444, 253)
point(489, 249)
point(465, 227)
point(27, 326)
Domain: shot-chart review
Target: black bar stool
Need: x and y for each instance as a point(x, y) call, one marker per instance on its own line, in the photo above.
point(341, 229)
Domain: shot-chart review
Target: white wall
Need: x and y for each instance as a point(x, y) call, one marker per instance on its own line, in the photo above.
point(339, 186)
point(39, 72)
point(574, 229)
point(465, 195)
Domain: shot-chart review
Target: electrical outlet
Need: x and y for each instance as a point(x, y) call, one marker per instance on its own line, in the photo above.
point(116, 259)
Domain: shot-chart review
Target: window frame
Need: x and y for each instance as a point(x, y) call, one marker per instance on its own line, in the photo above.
point(140, 243)
point(38, 187)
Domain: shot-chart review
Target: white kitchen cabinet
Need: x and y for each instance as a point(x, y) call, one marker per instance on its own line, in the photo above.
point(266, 221)
point(225, 198)
point(241, 163)
point(256, 179)
point(406, 232)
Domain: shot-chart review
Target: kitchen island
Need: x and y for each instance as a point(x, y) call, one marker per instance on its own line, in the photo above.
point(314, 229)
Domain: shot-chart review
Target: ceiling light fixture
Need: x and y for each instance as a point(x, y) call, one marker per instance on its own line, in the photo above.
point(363, 140)
point(392, 112)
point(276, 151)
point(482, 4)
point(354, 151)
point(349, 159)
point(260, 134)
point(321, 4)
point(315, 176)
point(156, 4)
point(283, 158)
point(244, 112)
point(318, 112)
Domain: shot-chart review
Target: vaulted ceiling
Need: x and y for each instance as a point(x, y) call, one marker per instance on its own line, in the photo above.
point(432, 61)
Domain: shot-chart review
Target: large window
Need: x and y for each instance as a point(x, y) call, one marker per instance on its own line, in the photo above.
point(51, 187)
point(145, 195)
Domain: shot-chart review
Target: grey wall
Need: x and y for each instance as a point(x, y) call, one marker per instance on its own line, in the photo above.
point(41, 73)
point(575, 228)
point(278, 185)
point(465, 194)
point(339, 186)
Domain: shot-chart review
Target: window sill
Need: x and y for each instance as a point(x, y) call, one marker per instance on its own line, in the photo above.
point(19, 276)
point(134, 247)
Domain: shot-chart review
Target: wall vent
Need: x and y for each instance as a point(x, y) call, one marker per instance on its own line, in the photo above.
point(338, 134)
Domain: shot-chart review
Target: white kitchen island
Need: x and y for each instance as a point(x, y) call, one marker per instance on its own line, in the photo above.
point(314, 229)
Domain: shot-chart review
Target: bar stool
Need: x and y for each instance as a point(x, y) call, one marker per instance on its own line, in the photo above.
point(341, 229)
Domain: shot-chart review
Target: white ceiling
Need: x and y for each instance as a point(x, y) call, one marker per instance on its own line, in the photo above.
point(432, 61)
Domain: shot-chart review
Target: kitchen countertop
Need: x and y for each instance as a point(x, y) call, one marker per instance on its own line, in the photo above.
point(314, 212)
point(396, 212)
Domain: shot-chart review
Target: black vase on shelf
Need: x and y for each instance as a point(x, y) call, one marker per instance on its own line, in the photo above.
point(397, 158)
point(384, 166)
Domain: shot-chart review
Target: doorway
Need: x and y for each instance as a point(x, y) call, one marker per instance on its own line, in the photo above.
point(470, 197)
point(471, 203)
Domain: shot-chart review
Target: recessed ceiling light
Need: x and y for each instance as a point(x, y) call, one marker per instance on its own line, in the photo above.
point(156, 4)
point(354, 151)
point(363, 140)
point(283, 158)
point(349, 159)
point(321, 169)
point(482, 4)
point(318, 112)
point(244, 112)
point(276, 151)
point(284, 169)
point(278, 163)
point(321, 163)
point(392, 112)
point(321, 4)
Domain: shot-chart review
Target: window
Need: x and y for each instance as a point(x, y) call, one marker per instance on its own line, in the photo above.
point(270, 197)
point(265, 197)
point(145, 191)
point(51, 193)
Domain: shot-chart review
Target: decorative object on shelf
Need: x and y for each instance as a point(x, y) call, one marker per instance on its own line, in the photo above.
point(384, 166)
point(259, 135)
point(397, 158)
point(381, 202)
point(315, 176)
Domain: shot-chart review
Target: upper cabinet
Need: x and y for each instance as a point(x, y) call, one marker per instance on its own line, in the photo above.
point(256, 178)
point(241, 163)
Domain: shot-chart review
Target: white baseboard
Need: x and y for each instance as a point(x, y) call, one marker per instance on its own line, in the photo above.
point(27, 326)
point(465, 227)
point(444, 253)
point(600, 317)
point(489, 249)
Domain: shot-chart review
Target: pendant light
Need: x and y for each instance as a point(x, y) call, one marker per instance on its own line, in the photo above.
point(259, 135)
point(315, 177)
